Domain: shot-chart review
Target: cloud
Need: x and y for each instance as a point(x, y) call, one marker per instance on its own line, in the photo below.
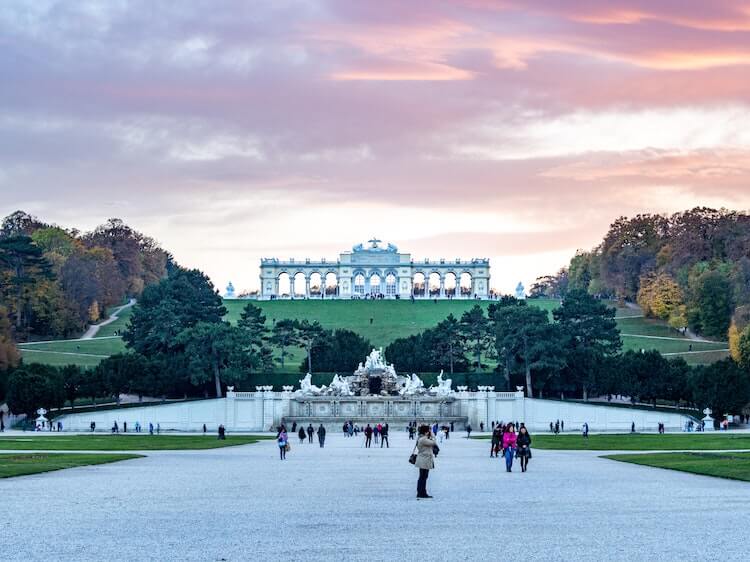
point(515, 130)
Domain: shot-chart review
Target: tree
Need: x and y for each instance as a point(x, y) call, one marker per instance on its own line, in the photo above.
point(524, 338)
point(410, 354)
point(9, 355)
point(216, 350)
point(308, 334)
point(659, 296)
point(284, 336)
point(591, 331)
point(645, 374)
point(448, 346)
point(711, 304)
point(72, 378)
point(339, 351)
point(476, 331)
point(22, 266)
point(722, 386)
point(34, 386)
point(166, 309)
point(743, 350)
point(252, 322)
point(117, 372)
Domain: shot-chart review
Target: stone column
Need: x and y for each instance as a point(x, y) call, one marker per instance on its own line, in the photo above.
point(307, 286)
point(442, 286)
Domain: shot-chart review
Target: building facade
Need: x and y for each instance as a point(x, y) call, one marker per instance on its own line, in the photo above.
point(374, 271)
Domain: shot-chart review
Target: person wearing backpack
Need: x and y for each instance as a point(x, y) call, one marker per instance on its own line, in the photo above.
point(302, 435)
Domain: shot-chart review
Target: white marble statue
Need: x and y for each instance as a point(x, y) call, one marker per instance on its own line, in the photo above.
point(443, 387)
point(306, 386)
point(340, 387)
point(412, 385)
point(375, 360)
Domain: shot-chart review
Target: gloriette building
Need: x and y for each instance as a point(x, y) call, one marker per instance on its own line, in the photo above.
point(374, 271)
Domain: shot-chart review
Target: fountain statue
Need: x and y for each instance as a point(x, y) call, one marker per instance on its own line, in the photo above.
point(340, 387)
point(443, 387)
point(307, 388)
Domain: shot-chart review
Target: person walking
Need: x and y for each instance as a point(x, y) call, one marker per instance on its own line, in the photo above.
point(411, 432)
point(158, 428)
point(384, 437)
point(321, 435)
point(376, 432)
point(368, 436)
point(497, 439)
point(523, 442)
point(150, 428)
point(425, 459)
point(282, 439)
point(310, 433)
point(302, 435)
point(468, 431)
point(222, 432)
point(509, 446)
point(204, 429)
point(294, 427)
point(585, 430)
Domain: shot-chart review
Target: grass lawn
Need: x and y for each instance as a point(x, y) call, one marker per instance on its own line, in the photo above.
point(60, 359)
point(643, 442)
point(722, 465)
point(24, 464)
point(670, 346)
point(118, 325)
point(108, 442)
point(379, 321)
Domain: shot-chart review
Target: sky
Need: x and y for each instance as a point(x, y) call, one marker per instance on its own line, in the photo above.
point(231, 131)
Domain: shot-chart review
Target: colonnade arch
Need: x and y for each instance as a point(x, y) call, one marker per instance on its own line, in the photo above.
point(418, 284)
point(466, 284)
point(299, 284)
point(316, 283)
point(284, 284)
point(391, 284)
point(449, 284)
point(331, 283)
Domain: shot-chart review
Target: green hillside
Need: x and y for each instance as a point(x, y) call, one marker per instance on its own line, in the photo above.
point(381, 322)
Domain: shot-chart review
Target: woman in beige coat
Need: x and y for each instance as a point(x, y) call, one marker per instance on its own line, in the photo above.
point(425, 460)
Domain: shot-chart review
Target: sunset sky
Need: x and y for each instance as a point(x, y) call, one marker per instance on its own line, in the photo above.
point(234, 130)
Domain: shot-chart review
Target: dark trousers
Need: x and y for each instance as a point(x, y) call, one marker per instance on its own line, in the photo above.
point(368, 441)
point(422, 482)
point(309, 437)
point(282, 452)
point(321, 440)
point(384, 439)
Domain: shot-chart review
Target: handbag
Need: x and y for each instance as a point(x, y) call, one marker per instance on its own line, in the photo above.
point(413, 456)
point(435, 450)
point(287, 447)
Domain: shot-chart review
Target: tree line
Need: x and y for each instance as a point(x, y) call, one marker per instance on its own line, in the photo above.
point(55, 281)
point(691, 269)
point(576, 354)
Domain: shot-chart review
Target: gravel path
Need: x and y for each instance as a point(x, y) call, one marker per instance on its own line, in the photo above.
point(349, 503)
point(94, 328)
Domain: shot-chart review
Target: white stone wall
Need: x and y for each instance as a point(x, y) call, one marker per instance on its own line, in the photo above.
point(263, 410)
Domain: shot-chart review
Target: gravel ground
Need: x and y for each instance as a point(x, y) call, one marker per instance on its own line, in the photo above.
point(345, 502)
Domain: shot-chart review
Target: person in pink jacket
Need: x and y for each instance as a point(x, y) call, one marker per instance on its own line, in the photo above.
point(509, 446)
